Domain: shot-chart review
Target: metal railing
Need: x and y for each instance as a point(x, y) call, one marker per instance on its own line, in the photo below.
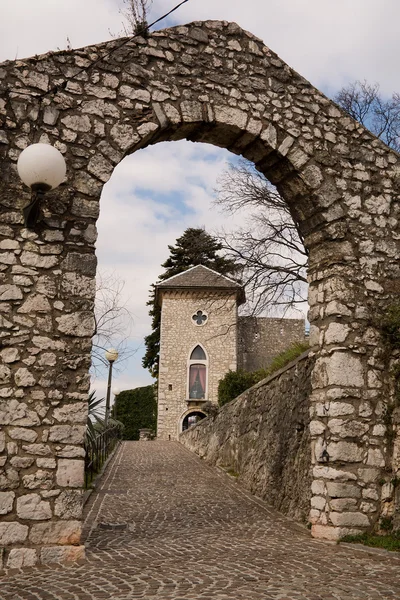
point(97, 450)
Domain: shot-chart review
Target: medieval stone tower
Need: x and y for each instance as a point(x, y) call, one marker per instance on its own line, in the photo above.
point(198, 344)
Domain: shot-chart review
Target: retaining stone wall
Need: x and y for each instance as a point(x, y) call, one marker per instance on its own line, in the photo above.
point(263, 435)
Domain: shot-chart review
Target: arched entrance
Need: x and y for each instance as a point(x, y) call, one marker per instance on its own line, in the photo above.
point(206, 82)
point(191, 418)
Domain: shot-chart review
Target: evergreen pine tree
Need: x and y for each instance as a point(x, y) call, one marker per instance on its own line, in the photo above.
point(194, 247)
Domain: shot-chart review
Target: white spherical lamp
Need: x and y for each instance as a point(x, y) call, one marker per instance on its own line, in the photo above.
point(111, 354)
point(41, 166)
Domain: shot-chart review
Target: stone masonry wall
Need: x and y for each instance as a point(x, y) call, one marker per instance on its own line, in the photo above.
point(264, 437)
point(208, 82)
point(179, 336)
point(260, 339)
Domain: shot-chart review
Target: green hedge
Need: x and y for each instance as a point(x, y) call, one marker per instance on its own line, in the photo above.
point(136, 409)
point(236, 382)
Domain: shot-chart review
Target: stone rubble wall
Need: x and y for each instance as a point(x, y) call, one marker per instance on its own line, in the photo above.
point(263, 437)
point(260, 339)
point(209, 82)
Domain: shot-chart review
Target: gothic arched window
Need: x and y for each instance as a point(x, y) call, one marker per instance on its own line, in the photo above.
point(197, 379)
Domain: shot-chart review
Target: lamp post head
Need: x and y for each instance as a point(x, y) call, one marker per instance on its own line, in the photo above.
point(116, 391)
point(111, 355)
point(41, 167)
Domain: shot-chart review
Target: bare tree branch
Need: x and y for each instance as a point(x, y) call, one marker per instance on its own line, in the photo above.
point(113, 321)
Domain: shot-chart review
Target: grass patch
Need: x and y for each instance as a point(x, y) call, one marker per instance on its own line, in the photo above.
point(232, 472)
point(388, 542)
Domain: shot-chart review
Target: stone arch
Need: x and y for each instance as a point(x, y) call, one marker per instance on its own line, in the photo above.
point(206, 82)
point(187, 413)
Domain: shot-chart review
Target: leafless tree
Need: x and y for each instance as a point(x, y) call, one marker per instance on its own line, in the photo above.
point(268, 248)
point(364, 102)
point(135, 13)
point(113, 321)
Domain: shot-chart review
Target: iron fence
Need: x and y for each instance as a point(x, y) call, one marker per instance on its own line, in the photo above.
point(98, 449)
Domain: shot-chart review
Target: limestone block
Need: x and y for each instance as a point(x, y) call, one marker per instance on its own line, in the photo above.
point(79, 324)
point(41, 479)
point(56, 532)
point(32, 507)
point(270, 136)
point(85, 208)
point(172, 113)
point(46, 463)
point(336, 333)
point(47, 359)
point(318, 488)
point(375, 458)
point(5, 374)
point(32, 259)
point(69, 505)
point(70, 473)
point(2, 441)
point(349, 428)
point(379, 430)
point(231, 116)
point(10, 292)
point(343, 490)
point(340, 409)
point(22, 557)
point(320, 472)
point(61, 554)
point(72, 413)
point(333, 534)
point(77, 123)
point(10, 355)
point(349, 519)
point(318, 502)
point(86, 184)
point(343, 504)
point(6, 502)
point(368, 475)
point(317, 427)
point(38, 449)
point(146, 129)
point(100, 167)
point(345, 451)
point(23, 378)
point(67, 434)
point(12, 532)
point(17, 413)
point(370, 494)
point(368, 507)
point(22, 433)
point(365, 409)
point(124, 136)
point(340, 369)
point(70, 451)
point(22, 462)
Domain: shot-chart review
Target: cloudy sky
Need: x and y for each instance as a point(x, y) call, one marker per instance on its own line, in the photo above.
point(329, 42)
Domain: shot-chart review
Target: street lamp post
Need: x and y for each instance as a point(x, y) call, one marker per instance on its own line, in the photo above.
point(111, 355)
point(116, 391)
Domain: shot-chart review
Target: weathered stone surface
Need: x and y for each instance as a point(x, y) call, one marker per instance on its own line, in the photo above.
point(40, 480)
point(61, 554)
point(277, 468)
point(77, 324)
point(24, 378)
point(35, 303)
point(6, 502)
point(22, 557)
point(13, 532)
point(22, 433)
point(57, 532)
point(67, 434)
point(32, 507)
point(70, 473)
point(69, 505)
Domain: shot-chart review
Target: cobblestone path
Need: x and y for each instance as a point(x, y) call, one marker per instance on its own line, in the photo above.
point(184, 531)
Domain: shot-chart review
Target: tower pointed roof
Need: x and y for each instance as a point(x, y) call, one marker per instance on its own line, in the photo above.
point(200, 277)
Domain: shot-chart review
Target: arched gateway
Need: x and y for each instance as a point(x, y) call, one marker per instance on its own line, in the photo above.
point(206, 82)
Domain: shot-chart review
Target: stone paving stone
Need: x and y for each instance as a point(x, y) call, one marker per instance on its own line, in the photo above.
point(189, 532)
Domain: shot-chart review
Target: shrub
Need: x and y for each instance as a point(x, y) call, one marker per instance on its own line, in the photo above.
point(136, 409)
point(236, 382)
point(233, 384)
